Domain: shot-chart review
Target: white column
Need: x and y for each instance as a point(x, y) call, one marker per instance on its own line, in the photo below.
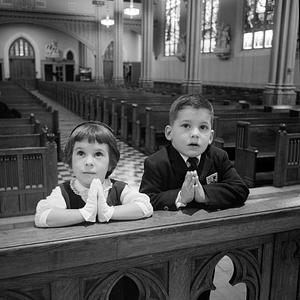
point(118, 78)
point(147, 44)
point(192, 82)
point(98, 57)
point(281, 89)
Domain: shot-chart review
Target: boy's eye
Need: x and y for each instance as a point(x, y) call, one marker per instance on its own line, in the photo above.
point(204, 127)
point(185, 125)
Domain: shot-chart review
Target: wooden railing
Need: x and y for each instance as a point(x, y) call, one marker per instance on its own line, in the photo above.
point(171, 255)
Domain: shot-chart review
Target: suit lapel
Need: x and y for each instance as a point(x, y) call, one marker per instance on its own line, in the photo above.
point(177, 163)
point(204, 165)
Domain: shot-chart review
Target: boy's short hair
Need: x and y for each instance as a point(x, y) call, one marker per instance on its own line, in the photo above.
point(93, 131)
point(193, 100)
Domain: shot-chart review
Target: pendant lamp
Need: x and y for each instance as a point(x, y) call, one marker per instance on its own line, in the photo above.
point(131, 11)
point(107, 21)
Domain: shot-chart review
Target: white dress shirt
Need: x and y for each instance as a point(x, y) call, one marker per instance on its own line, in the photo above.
point(56, 200)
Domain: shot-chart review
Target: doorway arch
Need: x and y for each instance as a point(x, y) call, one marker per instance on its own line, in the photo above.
point(22, 61)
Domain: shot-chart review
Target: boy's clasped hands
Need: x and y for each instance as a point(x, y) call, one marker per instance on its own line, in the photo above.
point(192, 189)
point(96, 204)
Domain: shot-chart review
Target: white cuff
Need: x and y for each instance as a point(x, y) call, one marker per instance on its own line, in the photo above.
point(87, 216)
point(106, 216)
point(177, 201)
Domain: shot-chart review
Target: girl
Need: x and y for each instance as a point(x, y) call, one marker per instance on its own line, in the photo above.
point(92, 154)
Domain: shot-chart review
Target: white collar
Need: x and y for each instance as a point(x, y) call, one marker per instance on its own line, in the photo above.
point(82, 191)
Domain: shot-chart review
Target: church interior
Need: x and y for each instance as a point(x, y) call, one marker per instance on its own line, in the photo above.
point(123, 63)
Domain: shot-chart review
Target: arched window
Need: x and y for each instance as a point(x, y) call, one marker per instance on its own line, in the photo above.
point(21, 48)
point(209, 25)
point(172, 26)
point(258, 24)
point(70, 55)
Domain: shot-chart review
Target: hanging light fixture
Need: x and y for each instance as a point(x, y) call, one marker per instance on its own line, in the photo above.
point(131, 11)
point(107, 21)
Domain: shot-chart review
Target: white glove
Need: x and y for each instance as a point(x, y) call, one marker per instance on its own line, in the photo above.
point(89, 211)
point(105, 211)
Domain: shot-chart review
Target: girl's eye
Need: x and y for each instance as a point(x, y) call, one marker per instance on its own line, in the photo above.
point(80, 153)
point(185, 125)
point(98, 154)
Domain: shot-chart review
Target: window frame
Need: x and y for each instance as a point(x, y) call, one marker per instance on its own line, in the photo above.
point(255, 42)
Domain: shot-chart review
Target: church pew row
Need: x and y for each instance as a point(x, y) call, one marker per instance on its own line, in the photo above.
point(15, 96)
point(268, 153)
point(147, 121)
point(225, 127)
point(20, 126)
point(18, 121)
point(172, 255)
point(20, 129)
point(27, 175)
point(23, 140)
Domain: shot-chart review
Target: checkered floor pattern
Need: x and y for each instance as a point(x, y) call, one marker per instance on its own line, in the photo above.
point(129, 169)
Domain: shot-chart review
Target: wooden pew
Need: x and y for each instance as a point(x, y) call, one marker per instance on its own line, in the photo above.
point(23, 140)
point(27, 175)
point(19, 126)
point(257, 150)
point(225, 126)
point(27, 104)
point(156, 120)
point(18, 121)
point(287, 161)
point(170, 256)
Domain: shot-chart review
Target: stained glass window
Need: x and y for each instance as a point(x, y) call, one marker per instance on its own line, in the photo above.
point(210, 10)
point(172, 26)
point(21, 48)
point(258, 24)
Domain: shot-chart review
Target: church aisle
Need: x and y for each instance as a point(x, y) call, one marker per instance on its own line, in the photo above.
point(130, 167)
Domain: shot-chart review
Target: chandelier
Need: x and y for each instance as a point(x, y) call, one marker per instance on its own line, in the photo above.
point(107, 21)
point(131, 11)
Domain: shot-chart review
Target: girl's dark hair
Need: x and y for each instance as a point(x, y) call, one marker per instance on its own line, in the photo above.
point(195, 101)
point(93, 131)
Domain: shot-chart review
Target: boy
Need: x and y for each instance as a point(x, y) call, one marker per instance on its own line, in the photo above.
point(190, 172)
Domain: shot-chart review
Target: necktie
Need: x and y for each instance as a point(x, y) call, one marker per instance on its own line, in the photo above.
point(193, 163)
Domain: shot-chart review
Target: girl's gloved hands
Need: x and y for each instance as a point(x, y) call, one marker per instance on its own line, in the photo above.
point(89, 211)
point(105, 211)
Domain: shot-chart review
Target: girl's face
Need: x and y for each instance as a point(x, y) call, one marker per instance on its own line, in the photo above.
point(89, 161)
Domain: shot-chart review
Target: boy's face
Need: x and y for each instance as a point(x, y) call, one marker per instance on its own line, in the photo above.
point(89, 161)
point(191, 131)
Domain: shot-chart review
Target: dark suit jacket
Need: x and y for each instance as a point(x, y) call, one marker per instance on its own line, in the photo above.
point(165, 170)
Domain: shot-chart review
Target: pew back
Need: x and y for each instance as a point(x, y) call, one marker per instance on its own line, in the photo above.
point(27, 175)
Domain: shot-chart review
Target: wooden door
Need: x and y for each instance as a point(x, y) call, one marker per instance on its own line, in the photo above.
point(22, 62)
point(108, 71)
point(22, 69)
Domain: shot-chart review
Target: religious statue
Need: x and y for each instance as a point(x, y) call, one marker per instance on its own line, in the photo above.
point(181, 48)
point(222, 48)
point(52, 50)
